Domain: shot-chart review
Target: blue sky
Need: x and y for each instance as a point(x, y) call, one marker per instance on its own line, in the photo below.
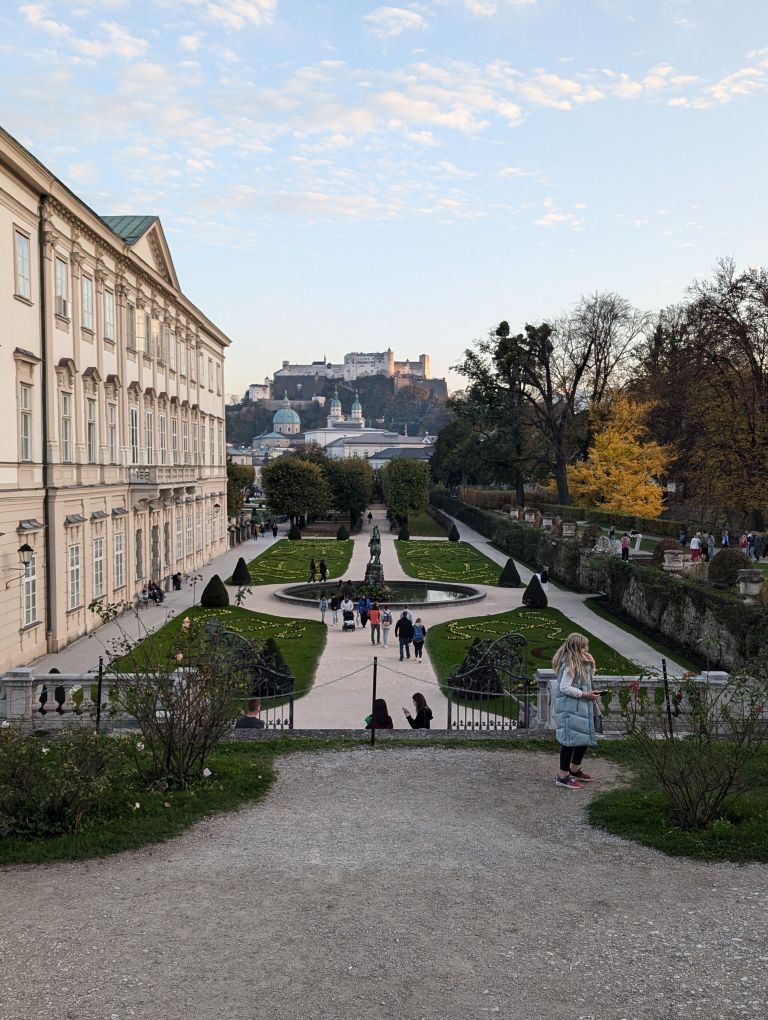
point(343, 175)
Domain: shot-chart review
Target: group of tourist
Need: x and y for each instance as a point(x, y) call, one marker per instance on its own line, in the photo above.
point(703, 544)
point(322, 568)
point(380, 719)
point(153, 593)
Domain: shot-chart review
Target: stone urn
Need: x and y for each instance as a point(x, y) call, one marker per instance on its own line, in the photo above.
point(750, 585)
point(547, 522)
point(569, 529)
point(674, 561)
point(529, 515)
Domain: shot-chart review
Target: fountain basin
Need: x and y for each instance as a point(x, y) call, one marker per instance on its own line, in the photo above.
point(419, 594)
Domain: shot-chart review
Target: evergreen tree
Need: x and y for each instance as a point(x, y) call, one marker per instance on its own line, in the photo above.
point(509, 577)
point(214, 594)
point(241, 576)
point(533, 596)
point(453, 534)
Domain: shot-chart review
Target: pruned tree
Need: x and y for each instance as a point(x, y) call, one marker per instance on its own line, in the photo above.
point(351, 484)
point(405, 484)
point(294, 486)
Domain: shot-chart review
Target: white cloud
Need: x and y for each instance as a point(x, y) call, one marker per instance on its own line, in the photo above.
point(487, 8)
point(554, 217)
point(190, 43)
point(237, 14)
point(387, 22)
point(111, 40)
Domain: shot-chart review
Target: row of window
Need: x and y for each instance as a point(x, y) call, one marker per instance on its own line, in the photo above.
point(145, 335)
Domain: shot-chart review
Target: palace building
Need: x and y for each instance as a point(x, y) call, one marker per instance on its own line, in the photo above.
point(112, 455)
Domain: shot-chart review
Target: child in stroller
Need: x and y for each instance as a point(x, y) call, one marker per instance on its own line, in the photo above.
point(347, 619)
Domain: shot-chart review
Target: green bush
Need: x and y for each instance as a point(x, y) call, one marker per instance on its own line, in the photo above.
point(725, 566)
point(404, 535)
point(54, 786)
point(509, 577)
point(214, 594)
point(533, 596)
point(453, 534)
point(657, 557)
point(240, 575)
point(590, 535)
point(342, 534)
point(294, 534)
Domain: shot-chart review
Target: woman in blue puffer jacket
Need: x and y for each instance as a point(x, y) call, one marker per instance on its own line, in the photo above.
point(574, 709)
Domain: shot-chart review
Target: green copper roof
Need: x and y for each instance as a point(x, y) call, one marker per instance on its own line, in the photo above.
point(130, 228)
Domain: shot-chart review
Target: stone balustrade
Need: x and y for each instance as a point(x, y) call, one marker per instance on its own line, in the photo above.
point(49, 700)
point(612, 722)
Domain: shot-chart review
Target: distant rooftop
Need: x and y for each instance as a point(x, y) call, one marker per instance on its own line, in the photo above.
point(130, 228)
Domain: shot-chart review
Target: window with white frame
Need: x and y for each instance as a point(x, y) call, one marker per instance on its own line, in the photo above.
point(210, 374)
point(172, 352)
point(199, 529)
point(179, 539)
point(194, 442)
point(133, 421)
point(139, 554)
point(130, 323)
point(192, 363)
point(141, 332)
point(185, 441)
point(66, 428)
point(90, 430)
point(73, 587)
point(218, 378)
point(112, 432)
point(163, 425)
point(98, 567)
point(201, 369)
point(109, 315)
point(29, 593)
point(149, 426)
point(175, 439)
point(202, 441)
point(212, 445)
point(25, 422)
point(62, 288)
point(86, 286)
point(156, 350)
point(190, 537)
point(22, 265)
point(119, 560)
point(221, 445)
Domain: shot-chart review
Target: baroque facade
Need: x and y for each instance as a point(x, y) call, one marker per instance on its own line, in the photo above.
point(112, 458)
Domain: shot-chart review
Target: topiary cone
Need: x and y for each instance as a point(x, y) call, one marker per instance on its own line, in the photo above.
point(533, 596)
point(294, 534)
point(214, 594)
point(453, 534)
point(240, 576)
point(404, 535)
point(509, 576)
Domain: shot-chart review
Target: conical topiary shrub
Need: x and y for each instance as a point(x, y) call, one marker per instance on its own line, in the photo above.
point(533, 596)
point(241, 577)
point(404, 535)
point(342, 534)
point(214, 594)
point(453, 534)
point(294, 534)
point(509, 576)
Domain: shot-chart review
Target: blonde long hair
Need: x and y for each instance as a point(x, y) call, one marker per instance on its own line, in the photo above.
point(572, 653)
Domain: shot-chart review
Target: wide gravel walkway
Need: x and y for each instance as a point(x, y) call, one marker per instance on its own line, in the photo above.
point(396, 883)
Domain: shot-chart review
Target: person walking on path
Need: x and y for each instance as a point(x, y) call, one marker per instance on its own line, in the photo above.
point(419, 633)
point(695, 547)
point(323, 603)
point(370, 518)
point(423, 713)
point(274, 531)
point(363, 607)
point(625, 546)
point(312, 570)
point(375, 619)
point(404, 634)
point(334, 605)
point(544, 578)
point(323, 571)
point(725, 539)
point(386, 623)
point(710, 547)
point(574, 709)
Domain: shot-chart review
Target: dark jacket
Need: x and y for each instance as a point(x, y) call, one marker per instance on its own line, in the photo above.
point(422, 720)
point(388, 725)
point(404, 629)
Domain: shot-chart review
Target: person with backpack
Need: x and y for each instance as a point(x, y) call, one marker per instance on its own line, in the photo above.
point(374, 615)
point(404, 634)
point(386, 623)
point(419, 633)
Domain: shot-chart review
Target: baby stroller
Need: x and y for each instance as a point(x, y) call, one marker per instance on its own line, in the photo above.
point(347, 619)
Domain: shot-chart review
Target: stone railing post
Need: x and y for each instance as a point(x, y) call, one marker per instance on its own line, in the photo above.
point(19, 685)
point(545, 708)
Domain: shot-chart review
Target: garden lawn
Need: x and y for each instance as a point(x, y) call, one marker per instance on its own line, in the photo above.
point(544, 629)
point(424, 526)
point(288, 561)
point(301, 642)
point(447, 561)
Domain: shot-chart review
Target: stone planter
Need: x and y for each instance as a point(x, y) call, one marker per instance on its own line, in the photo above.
point(750, 585)
point(529, 515)
point(674, 561)
point(546, 522)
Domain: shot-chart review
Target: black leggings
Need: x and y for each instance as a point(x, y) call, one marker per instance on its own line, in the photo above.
point(570, 756)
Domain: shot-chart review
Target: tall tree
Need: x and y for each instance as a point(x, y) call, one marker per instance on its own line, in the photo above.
point(406, 487)
point(351, 483)
point(621, 472)
point(294, 486)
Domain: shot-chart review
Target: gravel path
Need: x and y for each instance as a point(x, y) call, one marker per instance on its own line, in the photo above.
point(402, 883)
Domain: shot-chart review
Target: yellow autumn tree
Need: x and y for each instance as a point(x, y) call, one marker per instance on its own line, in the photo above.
point(619, 472)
